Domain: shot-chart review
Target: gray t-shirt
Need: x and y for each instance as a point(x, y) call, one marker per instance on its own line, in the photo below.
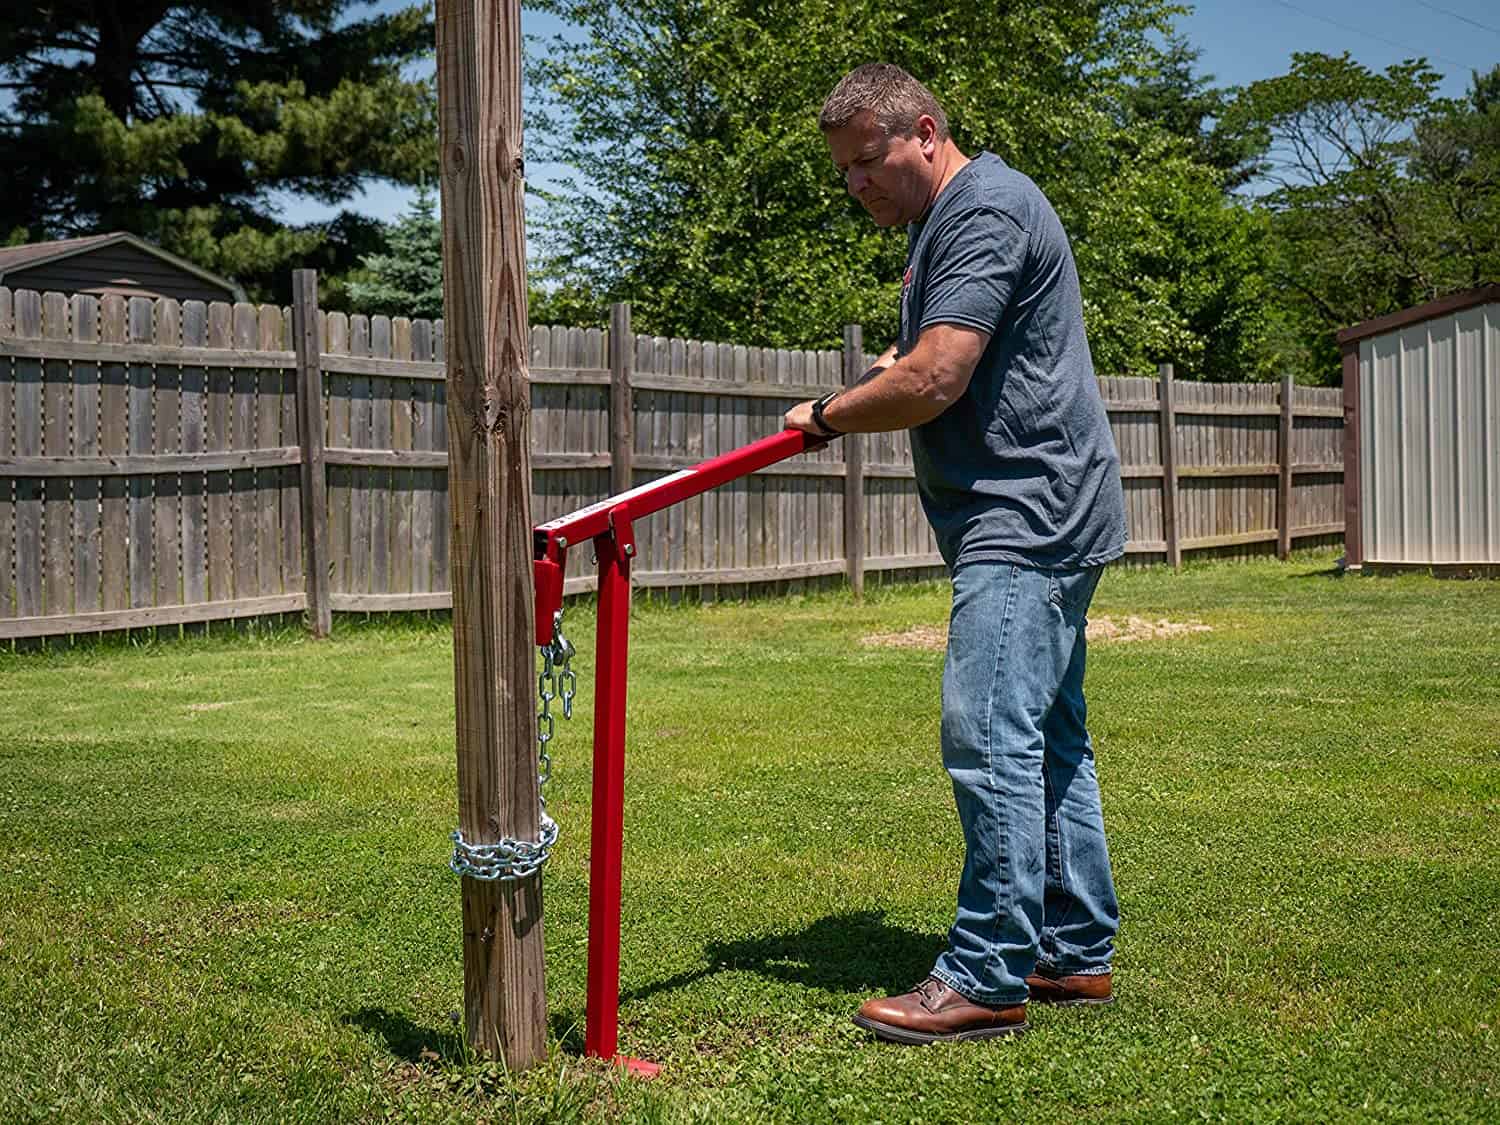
point(1023, 467)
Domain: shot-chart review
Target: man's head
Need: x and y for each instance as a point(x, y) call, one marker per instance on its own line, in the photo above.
point(889, 137)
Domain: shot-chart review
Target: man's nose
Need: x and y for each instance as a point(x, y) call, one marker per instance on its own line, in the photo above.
point(857, 182)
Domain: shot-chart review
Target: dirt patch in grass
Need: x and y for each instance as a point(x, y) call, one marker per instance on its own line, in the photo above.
point(1134, 628)
point(1102, 630)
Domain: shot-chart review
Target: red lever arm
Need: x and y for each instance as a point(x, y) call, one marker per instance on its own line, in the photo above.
point(552, 539)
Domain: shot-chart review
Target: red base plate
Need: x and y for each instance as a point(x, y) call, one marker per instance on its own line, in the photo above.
point(638, 1067)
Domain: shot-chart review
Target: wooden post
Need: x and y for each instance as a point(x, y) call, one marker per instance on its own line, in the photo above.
point(621, 400)
point(1284, 484)
point(308, 345)
point(1354, 551)
point(854, 464)
point(1169, 466)
point(489, 484)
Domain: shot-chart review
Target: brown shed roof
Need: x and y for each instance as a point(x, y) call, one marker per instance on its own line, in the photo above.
point(14, 258)
point(1443, 306)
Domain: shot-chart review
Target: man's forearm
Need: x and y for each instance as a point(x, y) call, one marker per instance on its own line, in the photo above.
point(896, 396)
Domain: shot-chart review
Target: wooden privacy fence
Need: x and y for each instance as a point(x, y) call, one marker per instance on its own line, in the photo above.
point(155, 468)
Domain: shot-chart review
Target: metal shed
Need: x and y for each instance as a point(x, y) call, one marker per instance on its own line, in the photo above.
point(119, 263)
point(1422, 437)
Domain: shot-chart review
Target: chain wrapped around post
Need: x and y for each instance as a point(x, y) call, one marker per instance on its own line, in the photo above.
point(509, 859)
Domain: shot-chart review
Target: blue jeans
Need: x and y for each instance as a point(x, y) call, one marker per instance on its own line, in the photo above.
point(1036, 889)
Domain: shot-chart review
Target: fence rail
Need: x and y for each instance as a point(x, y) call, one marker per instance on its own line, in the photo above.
point(155, 470)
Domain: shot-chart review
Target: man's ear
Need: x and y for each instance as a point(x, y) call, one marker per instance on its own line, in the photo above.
point(927, 133)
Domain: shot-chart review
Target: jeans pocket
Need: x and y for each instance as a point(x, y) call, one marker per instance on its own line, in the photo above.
point(1071, 591)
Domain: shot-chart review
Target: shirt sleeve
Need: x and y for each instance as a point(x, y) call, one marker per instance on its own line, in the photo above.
point(975, 267)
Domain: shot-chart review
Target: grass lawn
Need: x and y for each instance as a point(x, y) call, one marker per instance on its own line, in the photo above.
point(223, 892)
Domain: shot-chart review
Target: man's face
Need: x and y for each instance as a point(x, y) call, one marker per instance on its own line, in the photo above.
point(891, 176)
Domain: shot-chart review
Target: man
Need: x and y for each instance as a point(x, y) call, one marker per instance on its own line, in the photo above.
point(1019, 477)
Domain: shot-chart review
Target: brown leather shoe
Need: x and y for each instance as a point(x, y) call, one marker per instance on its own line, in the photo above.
point(933, 1013)
point(1067, 990)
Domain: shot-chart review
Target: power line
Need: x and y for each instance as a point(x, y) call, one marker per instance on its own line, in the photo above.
point(1371, 35)
point(1460, 16)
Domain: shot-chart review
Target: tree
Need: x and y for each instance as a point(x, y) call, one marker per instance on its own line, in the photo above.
point(1382, 196)
point(1185, 103)
point(1456, 154)
point(706, 197)
point(407, 279)
point(1173, 270)
point(183, 122)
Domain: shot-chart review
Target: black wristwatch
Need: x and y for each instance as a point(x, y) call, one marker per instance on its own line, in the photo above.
point(820, 421)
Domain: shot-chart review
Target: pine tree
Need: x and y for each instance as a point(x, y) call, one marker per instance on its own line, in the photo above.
point(189, 122)
point(407, 281)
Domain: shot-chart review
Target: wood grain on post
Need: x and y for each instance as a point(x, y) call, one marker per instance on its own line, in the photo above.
point(489, 475)
point(1168, 466)
point(621, 399)
point(1284, 513)
point(305, 339)
point(854, 468)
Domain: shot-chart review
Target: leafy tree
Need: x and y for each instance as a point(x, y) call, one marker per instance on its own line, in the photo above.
point(182, 121)
point(1382, 195)
point(1456, 155)
point(706, 197)
point(1177, 98)
point(1173, 270)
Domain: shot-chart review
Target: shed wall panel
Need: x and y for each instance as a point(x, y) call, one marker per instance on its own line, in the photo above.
point(1429, 429)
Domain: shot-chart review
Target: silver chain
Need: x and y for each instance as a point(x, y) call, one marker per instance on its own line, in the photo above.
point(510, 859)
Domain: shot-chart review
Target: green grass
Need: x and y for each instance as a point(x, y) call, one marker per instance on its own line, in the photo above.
point(223, 894)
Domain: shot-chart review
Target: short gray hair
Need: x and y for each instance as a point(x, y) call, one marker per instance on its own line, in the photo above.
point(895, 97)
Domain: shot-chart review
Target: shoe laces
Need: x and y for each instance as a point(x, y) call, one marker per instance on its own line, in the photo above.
point(927, 989)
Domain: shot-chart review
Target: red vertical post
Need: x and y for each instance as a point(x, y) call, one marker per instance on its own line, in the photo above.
point(601, 1032)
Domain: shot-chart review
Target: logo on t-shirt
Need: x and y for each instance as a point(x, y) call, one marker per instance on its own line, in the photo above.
point(903, 342)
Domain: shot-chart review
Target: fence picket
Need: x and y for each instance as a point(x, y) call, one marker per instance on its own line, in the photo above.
point(247, 544)
point(141, 380)
point(194, 421)
point(57, 510)
point(379, 479)
point(30, 492)
point(85, 443)
point(269, 482)
point(289, 503)
point(401, 479)
point(220, 508)
point(361, 422)
point(340, 399)
point(166, 499)
point(425, 421)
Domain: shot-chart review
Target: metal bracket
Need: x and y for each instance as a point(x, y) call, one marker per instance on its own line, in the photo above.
point(623, 529)
point(547, 579)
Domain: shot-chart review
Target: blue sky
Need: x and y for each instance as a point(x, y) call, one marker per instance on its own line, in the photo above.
point(1240, 40)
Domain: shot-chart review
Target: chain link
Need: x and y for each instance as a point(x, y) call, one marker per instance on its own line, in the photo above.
point(510, 859)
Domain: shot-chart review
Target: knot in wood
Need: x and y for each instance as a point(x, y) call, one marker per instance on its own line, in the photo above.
point(496, 410)
point(456, 158)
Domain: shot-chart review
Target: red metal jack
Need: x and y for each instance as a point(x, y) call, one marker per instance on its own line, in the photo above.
point(611, 525)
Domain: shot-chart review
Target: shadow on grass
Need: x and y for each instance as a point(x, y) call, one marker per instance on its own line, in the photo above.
point(1329, 572)
point(858, 953)
point(405, 1039)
